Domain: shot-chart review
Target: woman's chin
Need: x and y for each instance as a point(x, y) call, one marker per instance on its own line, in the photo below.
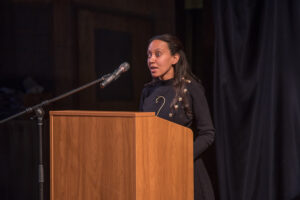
point(155, 75)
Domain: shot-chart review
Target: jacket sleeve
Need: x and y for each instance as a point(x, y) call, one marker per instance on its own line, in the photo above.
point(204, 133)
point(143, 94)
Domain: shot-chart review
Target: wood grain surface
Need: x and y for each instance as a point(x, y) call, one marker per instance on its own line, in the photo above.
point(119, 155)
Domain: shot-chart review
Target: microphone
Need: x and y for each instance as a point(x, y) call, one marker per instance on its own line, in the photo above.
point(115, 75)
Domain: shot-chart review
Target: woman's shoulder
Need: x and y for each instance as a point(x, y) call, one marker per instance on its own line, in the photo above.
point(157, 84)
point(148, 87)
point(194, 85)
point(150, 84)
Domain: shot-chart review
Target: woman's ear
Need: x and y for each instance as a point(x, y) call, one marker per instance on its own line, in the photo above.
point(176, 58)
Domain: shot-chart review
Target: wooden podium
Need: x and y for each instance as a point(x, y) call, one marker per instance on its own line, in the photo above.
point(119, 156)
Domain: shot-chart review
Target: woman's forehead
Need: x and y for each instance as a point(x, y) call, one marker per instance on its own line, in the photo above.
point(158, 45)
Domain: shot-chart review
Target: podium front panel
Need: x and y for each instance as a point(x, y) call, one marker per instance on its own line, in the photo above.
point(92, 157)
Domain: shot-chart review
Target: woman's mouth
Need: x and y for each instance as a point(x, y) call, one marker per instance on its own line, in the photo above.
point(153, 69)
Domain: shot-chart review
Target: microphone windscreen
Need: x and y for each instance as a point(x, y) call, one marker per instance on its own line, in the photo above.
point(125, 66)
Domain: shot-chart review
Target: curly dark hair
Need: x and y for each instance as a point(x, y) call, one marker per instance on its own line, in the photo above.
point(182, 71)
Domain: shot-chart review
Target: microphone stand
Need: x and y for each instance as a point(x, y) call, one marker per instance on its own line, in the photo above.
point(39, 113)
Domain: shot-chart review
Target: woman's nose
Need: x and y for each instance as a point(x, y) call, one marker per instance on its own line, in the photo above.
point(151, 58)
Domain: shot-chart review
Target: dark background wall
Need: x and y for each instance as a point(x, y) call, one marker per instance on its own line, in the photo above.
point(48, 47)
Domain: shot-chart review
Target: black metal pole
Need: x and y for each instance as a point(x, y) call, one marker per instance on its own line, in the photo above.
point(40, 117)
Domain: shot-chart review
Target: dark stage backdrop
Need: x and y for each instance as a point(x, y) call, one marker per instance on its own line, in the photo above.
point(257, 99)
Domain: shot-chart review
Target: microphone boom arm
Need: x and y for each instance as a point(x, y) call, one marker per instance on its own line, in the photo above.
point(47, 102)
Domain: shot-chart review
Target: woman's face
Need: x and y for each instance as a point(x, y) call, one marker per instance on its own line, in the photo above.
point(160, 60)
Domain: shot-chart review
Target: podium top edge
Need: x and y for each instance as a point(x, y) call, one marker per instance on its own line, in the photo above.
point(100, 113)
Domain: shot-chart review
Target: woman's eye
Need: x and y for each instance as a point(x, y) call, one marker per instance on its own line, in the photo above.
point(157, 54)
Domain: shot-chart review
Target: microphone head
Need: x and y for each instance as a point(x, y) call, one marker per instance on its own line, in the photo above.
point(125, 66)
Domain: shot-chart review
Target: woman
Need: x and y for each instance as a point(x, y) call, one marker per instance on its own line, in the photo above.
point(176, 94)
